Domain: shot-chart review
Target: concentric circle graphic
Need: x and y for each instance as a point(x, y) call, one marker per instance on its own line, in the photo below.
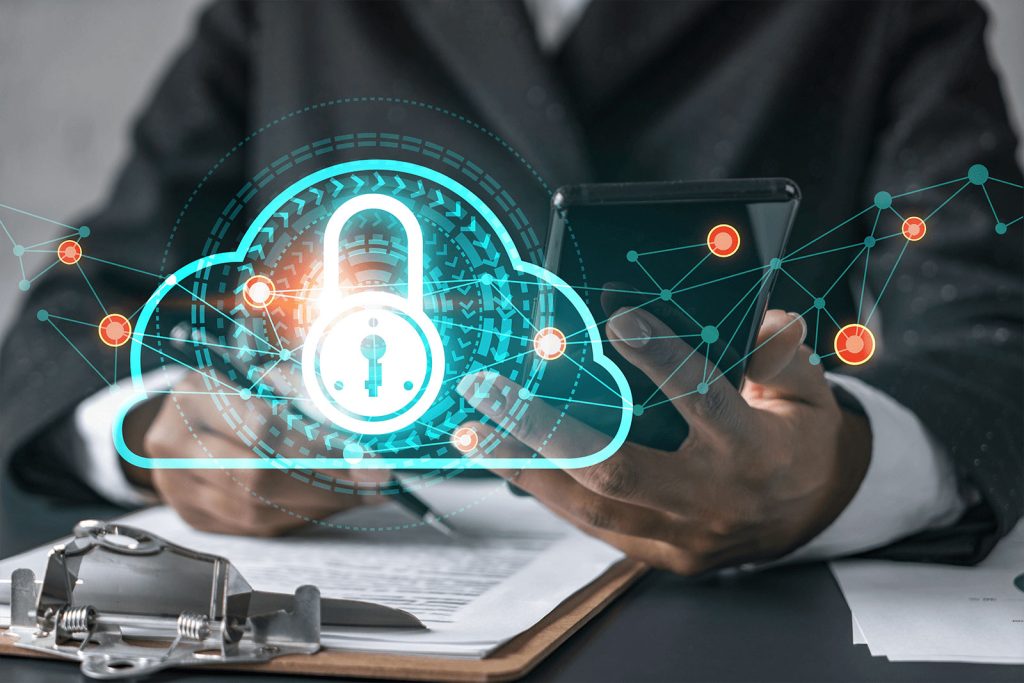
point(723, 240)
point(115, 330)
point(69, 252)
point(854, 344)
point(268, 309)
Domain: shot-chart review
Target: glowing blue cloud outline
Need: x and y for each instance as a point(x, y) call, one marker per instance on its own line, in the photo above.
point(239, 254)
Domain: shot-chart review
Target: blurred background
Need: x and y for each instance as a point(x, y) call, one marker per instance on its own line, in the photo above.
point(73, 74)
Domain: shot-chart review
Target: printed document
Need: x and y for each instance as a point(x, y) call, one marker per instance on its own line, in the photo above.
point(511, 564)
point(911, 611)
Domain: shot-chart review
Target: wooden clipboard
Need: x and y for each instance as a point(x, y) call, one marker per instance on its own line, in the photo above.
point(511, 661)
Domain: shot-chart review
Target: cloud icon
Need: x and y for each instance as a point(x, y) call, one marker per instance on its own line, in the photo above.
point(494, 312)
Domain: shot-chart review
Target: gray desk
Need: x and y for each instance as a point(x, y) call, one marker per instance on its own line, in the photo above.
point(785, 625)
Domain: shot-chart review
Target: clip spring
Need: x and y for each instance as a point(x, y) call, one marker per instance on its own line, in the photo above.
point(193, 626)
point(71, 620)
point(116, 571)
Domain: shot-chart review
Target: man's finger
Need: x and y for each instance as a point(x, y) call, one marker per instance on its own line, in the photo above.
point(778, 338)
point(206, 506)
point(283, 488)
point(221, 411)
point(781, 367)
point(681, 373)
point(211, 510)
point(660, 554)
point(335, 489)
point(798, 381)
point(630, 475)
point(642, 538)
point(557, 489)
point(530, 420)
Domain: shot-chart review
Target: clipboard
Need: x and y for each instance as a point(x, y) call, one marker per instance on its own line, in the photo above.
point(510, 662)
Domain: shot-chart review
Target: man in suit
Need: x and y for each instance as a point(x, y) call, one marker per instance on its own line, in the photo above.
point(916, 455)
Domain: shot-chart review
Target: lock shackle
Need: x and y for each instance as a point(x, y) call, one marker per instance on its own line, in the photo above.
point(414, 246)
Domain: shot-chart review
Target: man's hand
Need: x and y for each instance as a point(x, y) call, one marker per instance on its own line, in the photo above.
point(256, 502)
point(760, 474)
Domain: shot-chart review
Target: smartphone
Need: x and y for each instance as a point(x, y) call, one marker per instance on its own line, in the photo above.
point(662, 246)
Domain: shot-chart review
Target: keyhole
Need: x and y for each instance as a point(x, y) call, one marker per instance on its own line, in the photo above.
point(373, 347)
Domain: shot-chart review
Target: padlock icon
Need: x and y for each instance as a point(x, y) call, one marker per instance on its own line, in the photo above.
point(372, 361)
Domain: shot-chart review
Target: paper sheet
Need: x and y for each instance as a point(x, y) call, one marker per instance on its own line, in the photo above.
point(929, 612)
point(512, 564)
point(858, 635)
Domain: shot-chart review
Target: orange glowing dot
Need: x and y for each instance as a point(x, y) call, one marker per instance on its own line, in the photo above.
point(723, 240)
point(259, 291)
point(115, 330)
point(914, 228)
point(549, 343)
point(855, 344)
point(465, 439)
point(69, 252)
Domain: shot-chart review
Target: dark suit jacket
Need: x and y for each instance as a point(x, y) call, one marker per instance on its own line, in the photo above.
point(846, 98)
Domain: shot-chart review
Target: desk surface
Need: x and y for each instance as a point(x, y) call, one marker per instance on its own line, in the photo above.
point(784, 625)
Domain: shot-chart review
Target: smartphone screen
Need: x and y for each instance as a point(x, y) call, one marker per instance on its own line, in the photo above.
point(700, 256)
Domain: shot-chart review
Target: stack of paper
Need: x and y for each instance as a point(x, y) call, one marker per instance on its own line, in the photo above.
point(926, 612)
point(512, 563)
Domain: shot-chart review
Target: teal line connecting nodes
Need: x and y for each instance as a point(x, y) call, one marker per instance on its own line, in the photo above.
point(457, 295)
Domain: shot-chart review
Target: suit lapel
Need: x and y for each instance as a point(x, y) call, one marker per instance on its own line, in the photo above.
point(489, 50)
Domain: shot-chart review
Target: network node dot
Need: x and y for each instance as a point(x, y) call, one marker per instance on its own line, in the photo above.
point(855, 344)
point(353, 453)
point(114, 330)
point(465, 439)
point(69, 252)
point(775, 263)
point(632, 256)
point(245, 394)
point(814, 359)
point(709, 334)
point(723, 240)
point(883, 200)
point(42, 315)
point(23, 285)
point(486, 279)
point(702, 388)
point(549, 343)
point(638, 410)
point(819, 303)
point(84, 231)
point(285, 355)
point(666, 295)
point(870, 241)
point(978, 174)
point(524, 394)
point(259, 291)
point(914, 228)
point(407, 385)
point(1000, 228)
point(18, 250)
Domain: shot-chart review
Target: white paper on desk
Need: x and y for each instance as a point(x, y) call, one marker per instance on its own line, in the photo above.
point(858, 635)
point(512, 564)
point(929, 612)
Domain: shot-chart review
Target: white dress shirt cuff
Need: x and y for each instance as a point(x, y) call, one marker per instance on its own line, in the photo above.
point(99, 464)
point(910, 484)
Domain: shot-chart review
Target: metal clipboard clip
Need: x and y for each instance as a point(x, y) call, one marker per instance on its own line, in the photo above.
point(127, 603)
